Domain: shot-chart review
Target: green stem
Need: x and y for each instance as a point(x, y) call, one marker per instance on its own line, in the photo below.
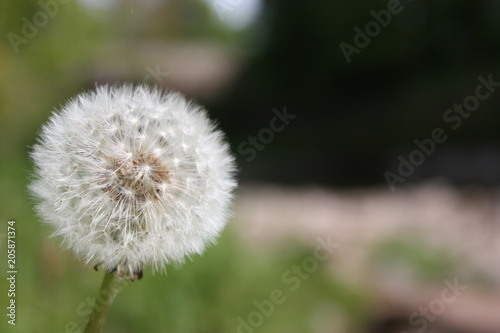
point(105, 297)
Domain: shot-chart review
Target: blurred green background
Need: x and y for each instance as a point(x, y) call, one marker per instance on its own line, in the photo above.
point(242, 59)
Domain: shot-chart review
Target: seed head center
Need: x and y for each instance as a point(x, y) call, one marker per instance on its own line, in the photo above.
point(140, 177)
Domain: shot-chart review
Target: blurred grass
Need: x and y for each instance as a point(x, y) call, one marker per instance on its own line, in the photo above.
point(425, 262)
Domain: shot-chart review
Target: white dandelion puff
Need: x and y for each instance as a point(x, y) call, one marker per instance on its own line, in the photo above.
point(130, 176)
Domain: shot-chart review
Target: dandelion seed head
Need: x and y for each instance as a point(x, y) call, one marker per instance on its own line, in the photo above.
point(130, 176)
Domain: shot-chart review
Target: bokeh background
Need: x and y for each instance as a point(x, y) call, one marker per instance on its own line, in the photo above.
point(319, 179)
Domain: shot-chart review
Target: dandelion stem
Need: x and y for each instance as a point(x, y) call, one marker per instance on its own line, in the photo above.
point(105, 297)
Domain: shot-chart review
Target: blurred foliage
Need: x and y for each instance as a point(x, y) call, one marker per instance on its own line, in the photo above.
point(355, 119)
point(425, 262)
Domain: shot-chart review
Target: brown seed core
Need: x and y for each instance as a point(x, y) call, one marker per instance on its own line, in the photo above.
point(139, 177)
